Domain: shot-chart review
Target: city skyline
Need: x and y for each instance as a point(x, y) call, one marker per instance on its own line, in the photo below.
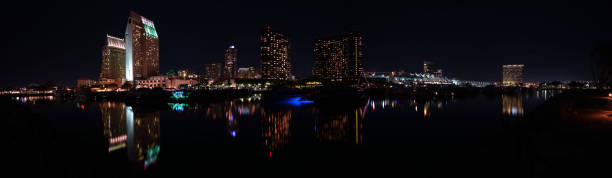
point(552, 53)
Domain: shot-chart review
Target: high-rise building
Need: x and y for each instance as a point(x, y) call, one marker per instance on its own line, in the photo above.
point(113, 59)
point(231, 55)
point(329, 61)
point(142, 48)
point(512, 74)
point(339, 58)
point(274, 55)
point(428, 67)
point(213, 71)
point(353, 42)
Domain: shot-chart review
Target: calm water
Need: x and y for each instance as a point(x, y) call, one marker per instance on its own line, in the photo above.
point(115, 137)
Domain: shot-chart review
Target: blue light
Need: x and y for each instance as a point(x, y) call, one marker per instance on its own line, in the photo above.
point(296, 101)
point(233, 133)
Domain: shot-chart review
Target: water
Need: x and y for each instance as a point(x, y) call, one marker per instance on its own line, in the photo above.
point(116, 137)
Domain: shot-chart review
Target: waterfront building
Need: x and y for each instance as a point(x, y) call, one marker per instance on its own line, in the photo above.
point(164, 82)
point(274, 55)
point(231, 56)
point(339, 58)
point(186, 74)
point(213, 71)
point(141, 48)
point(512, 75)
point(113, 59)
point(85, 82)
point(242, 73)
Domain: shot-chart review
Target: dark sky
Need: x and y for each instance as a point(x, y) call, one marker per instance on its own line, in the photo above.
point(61, 41)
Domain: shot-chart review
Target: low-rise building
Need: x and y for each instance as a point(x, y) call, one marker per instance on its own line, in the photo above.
point(164, 82)
point(85, 82)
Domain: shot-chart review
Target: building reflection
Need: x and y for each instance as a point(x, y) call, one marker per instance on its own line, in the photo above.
point(136, 129)
point(512, 105)
point(336, 125)
point(275, 127)
point(114, 119)
point(143, 135)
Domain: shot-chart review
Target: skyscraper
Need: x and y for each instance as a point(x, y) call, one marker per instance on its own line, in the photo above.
point(142, 48)
point(113, 59)
point(329, 61)
point(512, 74)
point(339, 58)
point(353, 42)
point(213, 71)
point(274, 55)
point(231, 55)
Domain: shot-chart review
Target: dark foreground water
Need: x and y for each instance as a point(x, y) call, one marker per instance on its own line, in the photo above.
point(444, 136)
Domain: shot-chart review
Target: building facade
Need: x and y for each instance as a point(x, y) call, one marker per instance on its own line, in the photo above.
point(85, 82)
point(142, 48)
point(339, 58)
point(231, 57)
point(513, 75)
point(164, 82)
point(113, 59)
point(213, 71)
point(354, 55)
point(329, 61)
point(274, 55)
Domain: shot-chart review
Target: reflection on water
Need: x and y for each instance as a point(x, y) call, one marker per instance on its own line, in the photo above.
point(136, 129)
point(275, 129)
point(114, 118)
point(32, 99)
point(512, 105)
point(338, 126)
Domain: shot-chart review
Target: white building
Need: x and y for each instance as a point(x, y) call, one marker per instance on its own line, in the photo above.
point(164, 82)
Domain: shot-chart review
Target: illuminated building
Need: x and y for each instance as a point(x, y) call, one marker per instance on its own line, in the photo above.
point(85, 82)
point(513, 75)
point(164, 82)
point(231, 55)
point(438, 73)
point(428, 67)
point(354, 55)
point(274, 55)
point(339, 58)
point(252, 73)
point(141, 48)
point(242, 73)
point(246, 73)
point(113, 59)
point(114, 118)
point(213, 71)
point(329, 62)
point(186, 74)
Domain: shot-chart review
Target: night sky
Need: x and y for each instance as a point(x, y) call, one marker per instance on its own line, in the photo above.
point(61, 41)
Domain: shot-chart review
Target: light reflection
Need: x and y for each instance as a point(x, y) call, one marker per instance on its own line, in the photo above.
point(512, 105)
point(275, 127)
